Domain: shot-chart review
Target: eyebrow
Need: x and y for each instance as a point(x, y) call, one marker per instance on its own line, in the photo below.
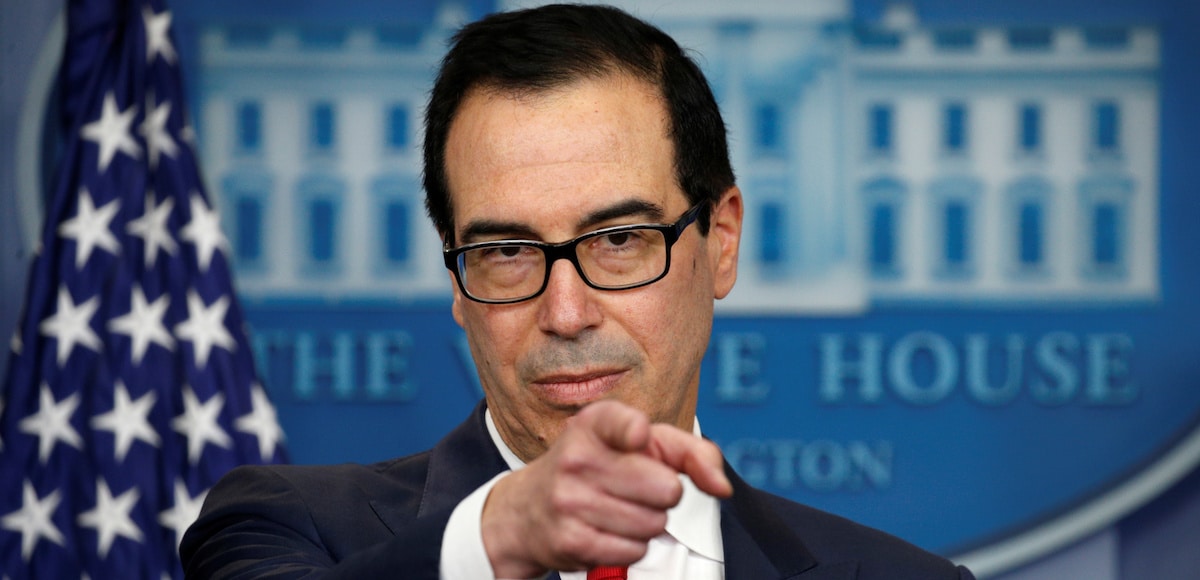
point(649, 211)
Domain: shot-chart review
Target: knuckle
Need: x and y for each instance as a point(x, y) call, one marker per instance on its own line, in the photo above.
point(570, 544)
point(634, 552)
point(574, 460)
point(561, 501)
point(653, 526)
point(673, 491)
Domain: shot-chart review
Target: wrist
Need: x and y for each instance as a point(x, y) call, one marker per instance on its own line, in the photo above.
point(503, 538)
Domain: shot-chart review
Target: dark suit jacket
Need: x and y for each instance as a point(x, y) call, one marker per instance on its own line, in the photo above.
point(386, 521)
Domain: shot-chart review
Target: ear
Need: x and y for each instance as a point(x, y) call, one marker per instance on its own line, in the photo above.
point(724, 236)
point(456, 308)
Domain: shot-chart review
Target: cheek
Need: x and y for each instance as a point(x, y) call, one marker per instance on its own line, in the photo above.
point(679, 319)
point(491, 359)
point(494, 335)
point(691, 314)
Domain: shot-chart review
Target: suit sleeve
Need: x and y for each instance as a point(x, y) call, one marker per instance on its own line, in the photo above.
point(258, 524)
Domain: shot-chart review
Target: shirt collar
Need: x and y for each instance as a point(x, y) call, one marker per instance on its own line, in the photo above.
point(694, 522)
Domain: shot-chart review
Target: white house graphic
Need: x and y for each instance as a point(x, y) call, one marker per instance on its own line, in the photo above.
point(885, 162)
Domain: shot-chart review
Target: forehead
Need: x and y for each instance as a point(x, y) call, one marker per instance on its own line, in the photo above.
point(559, 153)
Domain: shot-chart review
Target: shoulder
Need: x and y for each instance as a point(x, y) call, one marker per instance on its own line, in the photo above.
point(392, 469)
point(319, 513)
point(323, 484)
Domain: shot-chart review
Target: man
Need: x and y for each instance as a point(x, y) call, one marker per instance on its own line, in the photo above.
point(577, 169)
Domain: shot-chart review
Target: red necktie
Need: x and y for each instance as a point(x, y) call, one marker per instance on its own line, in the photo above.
point(607, 573)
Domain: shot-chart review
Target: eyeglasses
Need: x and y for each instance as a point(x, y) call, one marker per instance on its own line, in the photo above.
point(616, 258)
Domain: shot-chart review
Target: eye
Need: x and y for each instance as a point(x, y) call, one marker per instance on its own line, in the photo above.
point(504, 254)
point(622, 244)
point(617, 239)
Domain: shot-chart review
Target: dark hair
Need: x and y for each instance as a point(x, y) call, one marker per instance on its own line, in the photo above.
point(543, 48)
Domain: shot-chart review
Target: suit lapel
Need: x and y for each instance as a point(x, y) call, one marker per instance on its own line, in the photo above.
point(759, 545)
point(461, 462)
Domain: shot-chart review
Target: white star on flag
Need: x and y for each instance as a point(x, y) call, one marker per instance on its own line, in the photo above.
point(143, 324)
point(33, 521)
point(203, 231)
point(200, 425)
point(183, 513)
point(154, 131)
point(152, 228)
point(262, 423)
point(71, 324)
point(111, 132)
point(205, 327)
point(128, 420)
point(90, 228)
point(52, 423)
point(158, 40)
point(110, 518)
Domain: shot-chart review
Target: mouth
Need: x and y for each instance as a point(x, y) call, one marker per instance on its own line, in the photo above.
point(576, 390)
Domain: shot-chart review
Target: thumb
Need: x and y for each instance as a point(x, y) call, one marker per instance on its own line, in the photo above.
point(698, 458)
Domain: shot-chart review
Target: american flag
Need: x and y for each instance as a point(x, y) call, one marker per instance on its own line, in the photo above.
point(130, 388)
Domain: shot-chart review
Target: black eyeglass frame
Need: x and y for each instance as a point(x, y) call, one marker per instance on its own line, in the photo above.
point(566, 251)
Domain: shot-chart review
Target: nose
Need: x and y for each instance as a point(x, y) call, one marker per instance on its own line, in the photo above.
point(566, 308)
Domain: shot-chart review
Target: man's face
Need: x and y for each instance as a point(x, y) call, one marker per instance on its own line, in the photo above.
point(553, 166)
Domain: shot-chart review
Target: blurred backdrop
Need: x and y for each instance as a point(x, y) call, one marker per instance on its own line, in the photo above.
point(966, 306)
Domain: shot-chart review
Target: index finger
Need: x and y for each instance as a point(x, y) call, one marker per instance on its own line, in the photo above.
point(620, 427)
point(698, 458)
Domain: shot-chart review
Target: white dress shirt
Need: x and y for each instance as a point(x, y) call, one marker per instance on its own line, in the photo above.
point(691, 548)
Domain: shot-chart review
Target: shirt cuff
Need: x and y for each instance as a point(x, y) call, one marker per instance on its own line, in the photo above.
point(463, 555)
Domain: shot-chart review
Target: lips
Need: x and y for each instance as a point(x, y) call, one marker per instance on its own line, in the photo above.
point(576, 390)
